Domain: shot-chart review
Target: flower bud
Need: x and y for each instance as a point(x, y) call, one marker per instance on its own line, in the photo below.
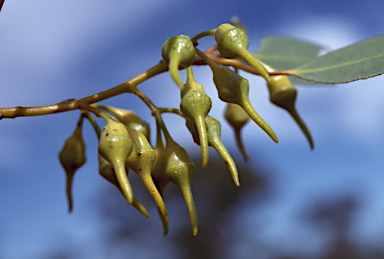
point(233, 42)
point(178, 52)
point(283, 94)
point(230, 40)
point(158, 173)
point(158, 168)
point(115, 146)
point(141, 161)
point(107, 172)
point(72, 157)
point(179, 169)
point(233, 88)
point(195, 104)
point(237, 118)
point(128, 118)
point(214, 132)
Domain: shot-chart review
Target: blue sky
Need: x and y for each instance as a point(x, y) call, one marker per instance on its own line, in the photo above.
point(56, 50)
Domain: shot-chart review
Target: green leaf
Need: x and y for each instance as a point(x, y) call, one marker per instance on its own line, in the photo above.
point(286, 53)
point(358, 61)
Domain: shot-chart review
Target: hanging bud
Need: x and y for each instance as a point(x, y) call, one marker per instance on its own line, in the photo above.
point(233, 42)
point(283, 94)
point(141, 161)
point(115, 146)
point(178, 52)
point(128, 118)
point(237, 118)
point(72, 157)
point(214, 132)
point(107, 172)
point(158, 172)
point(195, 104)
point(179, 169)
point(233, 88)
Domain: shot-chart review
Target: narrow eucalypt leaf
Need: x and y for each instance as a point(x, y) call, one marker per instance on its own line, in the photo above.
point(286, 53)
point(357, 61)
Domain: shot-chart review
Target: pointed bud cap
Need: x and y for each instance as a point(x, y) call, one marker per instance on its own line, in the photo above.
point(283, 94)
point(115, 146)
point(141, 161)
point(214, 132)
point(180, 170)
point(196, 104)
point(107, 172)
point(233, 88)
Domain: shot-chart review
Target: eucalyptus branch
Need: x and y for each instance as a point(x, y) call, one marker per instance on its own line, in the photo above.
point(68, 105)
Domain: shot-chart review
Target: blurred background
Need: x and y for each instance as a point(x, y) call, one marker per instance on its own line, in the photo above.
point(292, 202)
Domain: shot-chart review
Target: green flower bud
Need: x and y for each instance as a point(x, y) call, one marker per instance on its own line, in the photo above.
point(237, 118)
point(178, 52)
point(72, 157)
point(233, 88)
point(196, 104)
point(128, 118)
point(158, 173)
point(179, 170)
point(233, 42)
point(107, 172)
point(158, 169)
point(283, 94)
point(141, 161)
point(214, 132)
point(115, 146)
point(230, 40)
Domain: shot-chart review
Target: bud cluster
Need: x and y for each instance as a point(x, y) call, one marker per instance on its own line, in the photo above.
point(124, 142)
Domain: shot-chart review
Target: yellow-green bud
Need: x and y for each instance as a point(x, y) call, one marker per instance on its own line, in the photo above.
point(115, 146)
point(230, 40)
point(141, 161)
point(128, 118)
point(232, 88)
point(72, 157)
point(196, 104)
point(237, 118)
point(179, 169)
point(233, 42)
point(178, 52)
point(283, 94)
point(214, 132)
point(158, 172)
